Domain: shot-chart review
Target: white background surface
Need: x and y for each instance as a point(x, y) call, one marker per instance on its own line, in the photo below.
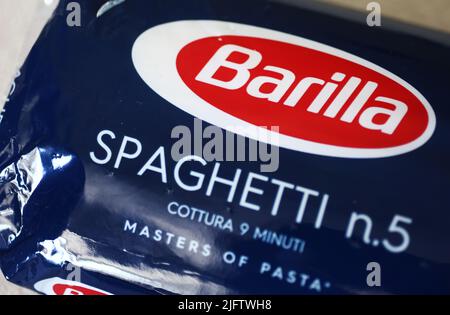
point(22, 20)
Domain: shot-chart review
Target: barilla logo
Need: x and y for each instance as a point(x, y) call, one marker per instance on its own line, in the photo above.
point(323, 100)
point(58, 286)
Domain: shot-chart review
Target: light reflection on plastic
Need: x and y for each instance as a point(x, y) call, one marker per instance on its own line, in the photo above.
point(59, 162)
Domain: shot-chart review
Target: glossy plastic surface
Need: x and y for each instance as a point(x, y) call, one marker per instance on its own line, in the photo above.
point(59, 209)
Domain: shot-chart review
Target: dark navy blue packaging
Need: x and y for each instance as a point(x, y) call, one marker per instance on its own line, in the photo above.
point(93, 201)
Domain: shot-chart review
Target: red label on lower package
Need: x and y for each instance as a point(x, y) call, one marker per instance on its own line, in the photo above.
point(59, 286)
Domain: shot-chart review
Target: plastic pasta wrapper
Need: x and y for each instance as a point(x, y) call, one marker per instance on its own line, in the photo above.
point(210, 147)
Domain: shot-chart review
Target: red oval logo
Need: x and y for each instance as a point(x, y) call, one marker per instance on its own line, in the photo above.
point(321, 99)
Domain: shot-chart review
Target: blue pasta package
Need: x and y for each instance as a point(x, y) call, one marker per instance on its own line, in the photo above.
point(215, 147)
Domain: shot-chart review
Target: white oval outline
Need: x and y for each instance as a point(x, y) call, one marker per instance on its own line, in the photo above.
point(154, 55)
